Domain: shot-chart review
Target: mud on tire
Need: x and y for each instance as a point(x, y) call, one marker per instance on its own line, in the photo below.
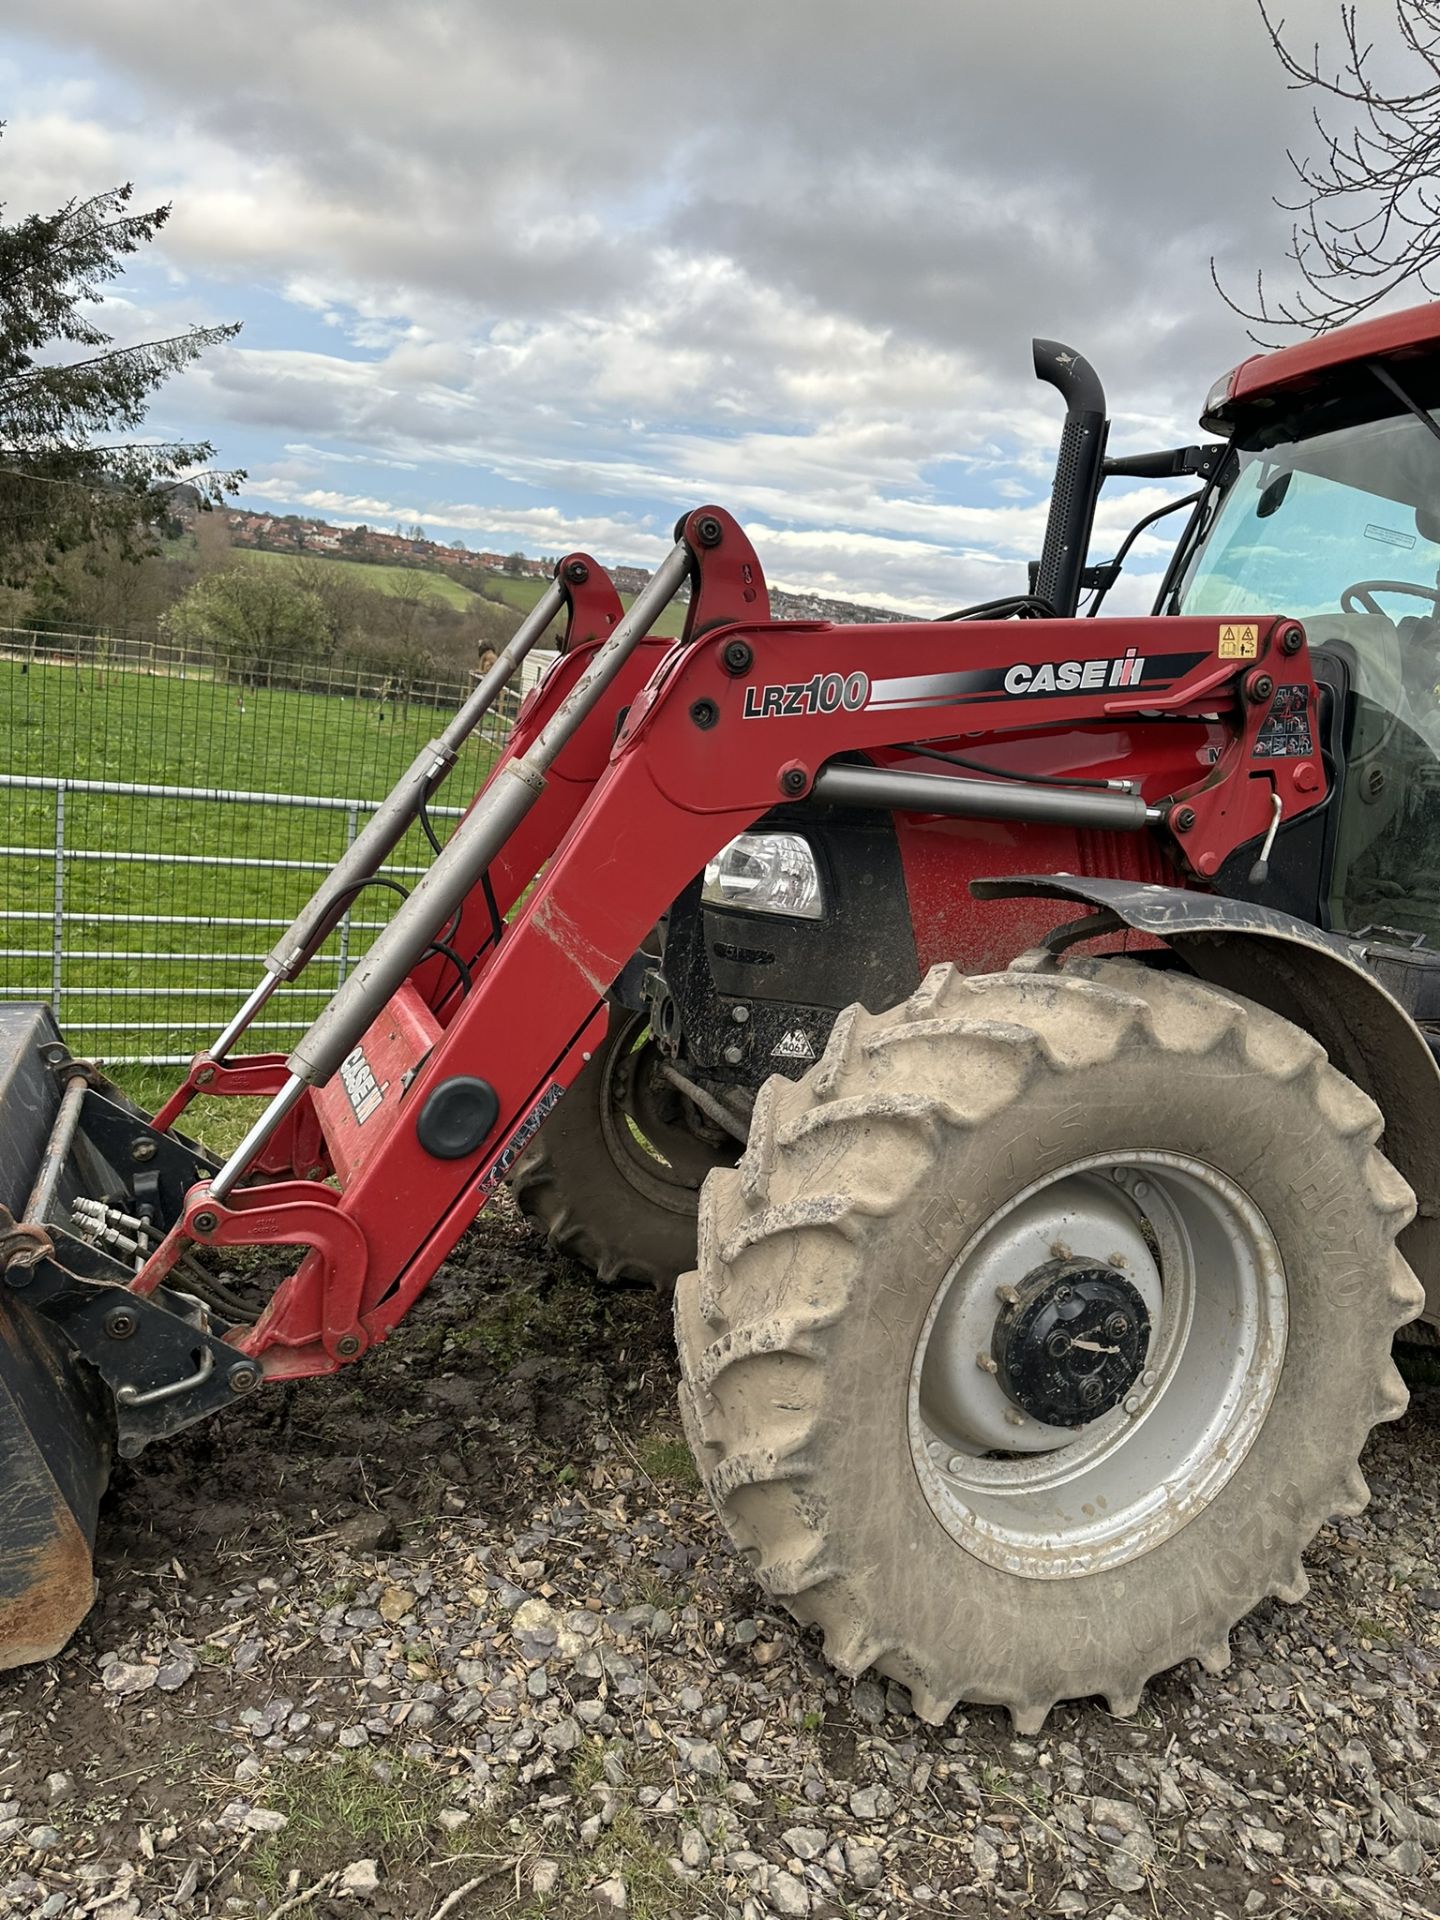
point(824, 1256)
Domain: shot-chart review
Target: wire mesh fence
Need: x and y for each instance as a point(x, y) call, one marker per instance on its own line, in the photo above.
point(165, 813)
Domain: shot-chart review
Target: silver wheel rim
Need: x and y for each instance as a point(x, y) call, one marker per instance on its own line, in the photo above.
point(1050, 1502)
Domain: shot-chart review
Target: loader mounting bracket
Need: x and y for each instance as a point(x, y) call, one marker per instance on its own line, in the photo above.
point(162, 1357)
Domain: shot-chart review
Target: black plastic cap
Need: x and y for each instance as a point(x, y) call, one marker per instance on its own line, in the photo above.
point(457, 1117)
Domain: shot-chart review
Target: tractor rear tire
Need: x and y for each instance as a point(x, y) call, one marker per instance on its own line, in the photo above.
point(929, 1177)
point(614, 1176)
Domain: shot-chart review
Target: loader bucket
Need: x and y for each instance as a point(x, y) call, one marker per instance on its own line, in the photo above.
point(54, 1431)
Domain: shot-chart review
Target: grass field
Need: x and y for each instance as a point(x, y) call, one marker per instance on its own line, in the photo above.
point(364, 573)
point(516, 590)
point(155, 893)
point(107, 724)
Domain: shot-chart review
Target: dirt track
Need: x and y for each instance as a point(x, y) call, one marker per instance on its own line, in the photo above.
point(462, 1614)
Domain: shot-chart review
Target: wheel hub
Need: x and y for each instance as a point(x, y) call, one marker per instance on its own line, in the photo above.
point(1071, 1341)
point(1051, 1439)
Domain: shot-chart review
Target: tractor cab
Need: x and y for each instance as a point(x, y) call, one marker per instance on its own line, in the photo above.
point(1327, 504)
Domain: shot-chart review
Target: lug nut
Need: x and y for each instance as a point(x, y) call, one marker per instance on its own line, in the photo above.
point(1132, 1403)
point(957, 1463)
point(1148, 1377)
point(987, 1363)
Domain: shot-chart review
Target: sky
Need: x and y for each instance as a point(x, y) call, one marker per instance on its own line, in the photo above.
point(548, 276)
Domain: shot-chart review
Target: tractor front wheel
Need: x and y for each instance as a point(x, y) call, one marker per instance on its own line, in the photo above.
point(614, 1175)
point(1040, 1328)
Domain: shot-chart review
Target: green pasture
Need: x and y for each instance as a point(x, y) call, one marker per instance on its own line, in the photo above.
point(378, 577)
point(100, 723)
point(520, 591)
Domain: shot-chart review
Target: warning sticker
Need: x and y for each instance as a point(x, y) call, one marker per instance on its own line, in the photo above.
point(1239, 640)
point(795, 1045)
point(1285, 733)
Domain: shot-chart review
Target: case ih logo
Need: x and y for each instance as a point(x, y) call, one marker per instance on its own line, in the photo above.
point(362, 1089)
point(1075, 676)
point(1036, 680)
point(825, 693)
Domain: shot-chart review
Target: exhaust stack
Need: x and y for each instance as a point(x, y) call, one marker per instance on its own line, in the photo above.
point(1078, 473)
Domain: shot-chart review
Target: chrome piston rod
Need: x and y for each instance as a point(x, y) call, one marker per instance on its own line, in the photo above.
point(389, 823)
point(469, 851)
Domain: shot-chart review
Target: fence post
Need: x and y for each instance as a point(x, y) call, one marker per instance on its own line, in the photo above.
point(57, 938)
point(352, 822)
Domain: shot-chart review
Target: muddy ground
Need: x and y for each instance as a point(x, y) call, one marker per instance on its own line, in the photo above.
point(459, 1627)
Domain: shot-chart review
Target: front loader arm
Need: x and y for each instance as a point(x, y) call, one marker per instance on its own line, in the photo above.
point(744, 715)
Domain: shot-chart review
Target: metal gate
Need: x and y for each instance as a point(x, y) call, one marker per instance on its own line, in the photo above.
point(140, 909)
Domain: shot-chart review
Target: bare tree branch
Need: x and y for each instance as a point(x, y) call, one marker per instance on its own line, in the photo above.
point(1367, 218)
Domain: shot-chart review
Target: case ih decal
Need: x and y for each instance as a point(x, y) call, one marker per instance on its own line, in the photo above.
point(1022, 680)
point(1027, 680)
point(363, 1091)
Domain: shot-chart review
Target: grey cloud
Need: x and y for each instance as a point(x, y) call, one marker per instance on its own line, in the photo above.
point(959, 172)
point(817, 232)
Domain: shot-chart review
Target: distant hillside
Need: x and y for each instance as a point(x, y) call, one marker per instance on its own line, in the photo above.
point(459, 573)
point(380, 579)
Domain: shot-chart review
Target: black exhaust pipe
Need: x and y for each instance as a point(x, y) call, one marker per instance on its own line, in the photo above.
point(1078, 473)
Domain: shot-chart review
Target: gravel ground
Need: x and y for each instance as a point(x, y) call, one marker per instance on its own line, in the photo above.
point(457, 1634)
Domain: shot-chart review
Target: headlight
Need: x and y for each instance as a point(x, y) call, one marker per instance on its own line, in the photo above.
point(766, 873)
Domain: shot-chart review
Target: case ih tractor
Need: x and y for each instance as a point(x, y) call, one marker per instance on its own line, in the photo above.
point(1015, 1030)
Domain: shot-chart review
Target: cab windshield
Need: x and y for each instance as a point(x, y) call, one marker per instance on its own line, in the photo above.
point(1334, 515)
point(1305, 519)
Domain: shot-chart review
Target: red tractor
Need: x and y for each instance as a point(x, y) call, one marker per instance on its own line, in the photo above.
point(1016, 1030)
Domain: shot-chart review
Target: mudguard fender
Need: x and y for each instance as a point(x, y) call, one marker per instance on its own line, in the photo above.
point(1317, 980)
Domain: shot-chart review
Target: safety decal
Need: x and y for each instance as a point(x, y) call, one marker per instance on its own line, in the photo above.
point(794, 1045)
point(1285, 733)
point(1239, 640)
point(521, 1138)
point(362, 1089)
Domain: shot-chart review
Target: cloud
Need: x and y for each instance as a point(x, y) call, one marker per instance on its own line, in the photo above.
point(596, 262)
